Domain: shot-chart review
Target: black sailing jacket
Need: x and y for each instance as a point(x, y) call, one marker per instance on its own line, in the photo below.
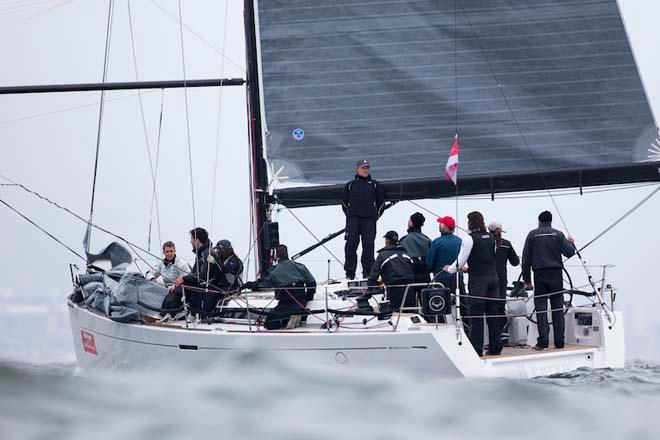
point(363, 197)
point(543, 249)
point(503, 254)
point(198, 274)
point(394, 266)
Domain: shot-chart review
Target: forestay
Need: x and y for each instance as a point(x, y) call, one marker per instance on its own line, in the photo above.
point(378, 79)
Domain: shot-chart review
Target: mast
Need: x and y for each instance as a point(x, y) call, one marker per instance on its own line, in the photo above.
point(259, 183)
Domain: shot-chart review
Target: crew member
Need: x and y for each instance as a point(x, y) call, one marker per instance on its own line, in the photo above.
point(170, 268)
point(363, 202)
point(478, 251)
point(228, 269)
point(417, 246)
point(542, 253)
point(504, 253)
point(443, 251)
point(200, 277)
point(396, 269)
point(294, 285)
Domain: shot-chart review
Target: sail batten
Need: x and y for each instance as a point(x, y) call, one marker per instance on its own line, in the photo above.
point(547, 87)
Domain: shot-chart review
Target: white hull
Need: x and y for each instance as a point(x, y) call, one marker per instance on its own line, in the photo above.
point(421, 349)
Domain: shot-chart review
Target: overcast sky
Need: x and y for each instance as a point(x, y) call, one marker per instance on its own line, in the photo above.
point(48, 144)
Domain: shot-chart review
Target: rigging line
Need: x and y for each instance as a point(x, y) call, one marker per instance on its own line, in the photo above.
point(36, 14)
point(193, 32)
point(456, 65)
point(432, 213)
point(252, 245)
point(43, 230)
point(138, 257)
point(77, 216)
point(185, 93)
point(456, 131)
point(252, 205)
point(106, 58)
point(313, 235)
point(619, 220)
point(9, 9)
point(563, 193)
point(144, 125)
point(513, 116)
point(153, 193)
point(524, 138)
point(217, 135)
point(68, 109)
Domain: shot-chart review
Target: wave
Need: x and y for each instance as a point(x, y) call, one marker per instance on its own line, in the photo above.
point(247, 397)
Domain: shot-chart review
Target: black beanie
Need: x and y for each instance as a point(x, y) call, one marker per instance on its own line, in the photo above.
point(545, 217)
point(417, 220)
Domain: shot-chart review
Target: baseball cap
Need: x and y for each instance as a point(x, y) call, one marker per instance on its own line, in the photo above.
point(362, 163)
point(494, 225)
point(392, 236)
point(223, 244)
point(447, 221)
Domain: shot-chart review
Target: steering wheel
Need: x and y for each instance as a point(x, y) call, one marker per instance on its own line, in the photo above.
point(567, 304)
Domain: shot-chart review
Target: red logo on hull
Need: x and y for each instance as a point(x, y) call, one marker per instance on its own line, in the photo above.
point(88, 342)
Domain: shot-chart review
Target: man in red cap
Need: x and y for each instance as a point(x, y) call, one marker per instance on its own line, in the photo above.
point(363, 203)
point(443, 251)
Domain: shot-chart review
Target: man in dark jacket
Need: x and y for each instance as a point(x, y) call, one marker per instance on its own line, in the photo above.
point(200, 277)
point(478, 251)
point(294, 285)
point(443, 251)
point(503, 253)
point(543, 252)
point(396, 269)
point(227, 268)
point(363, 202)
point(417, 247)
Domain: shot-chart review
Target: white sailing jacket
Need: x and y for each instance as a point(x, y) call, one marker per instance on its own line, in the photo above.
point(169, 272)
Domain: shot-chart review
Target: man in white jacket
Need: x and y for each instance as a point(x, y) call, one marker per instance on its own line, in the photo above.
point(170, 268)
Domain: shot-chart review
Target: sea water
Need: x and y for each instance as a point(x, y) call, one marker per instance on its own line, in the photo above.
point(249, 398)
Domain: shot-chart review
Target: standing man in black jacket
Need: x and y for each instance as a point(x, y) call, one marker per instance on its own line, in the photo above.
point(543, 252)
point(363, 202)
point(478, 251)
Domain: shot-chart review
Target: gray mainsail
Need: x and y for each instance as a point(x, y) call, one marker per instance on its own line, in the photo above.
point(392, 81)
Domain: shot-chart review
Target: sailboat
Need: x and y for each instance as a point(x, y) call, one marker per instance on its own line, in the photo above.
point(542, 97)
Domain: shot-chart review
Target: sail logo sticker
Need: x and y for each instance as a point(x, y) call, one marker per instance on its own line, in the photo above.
point(299, 134)
point(89, 345)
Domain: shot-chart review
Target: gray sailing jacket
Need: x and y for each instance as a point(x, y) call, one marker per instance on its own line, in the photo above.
point(416, 244)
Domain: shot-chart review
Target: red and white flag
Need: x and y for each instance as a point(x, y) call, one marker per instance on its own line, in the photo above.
point(451, 170)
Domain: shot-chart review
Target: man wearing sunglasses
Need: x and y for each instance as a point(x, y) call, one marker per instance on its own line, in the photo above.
point(363, 203)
